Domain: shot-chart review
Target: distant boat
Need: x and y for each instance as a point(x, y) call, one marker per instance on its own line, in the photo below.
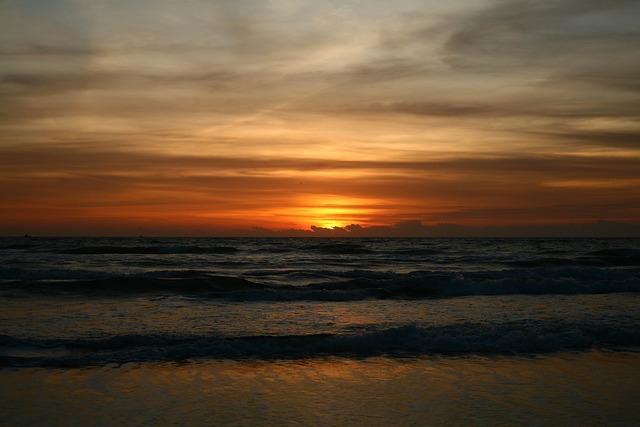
point(27, 235)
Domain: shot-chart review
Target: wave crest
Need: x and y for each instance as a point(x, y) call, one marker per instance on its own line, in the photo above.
point(526, 337)
point(357, 286)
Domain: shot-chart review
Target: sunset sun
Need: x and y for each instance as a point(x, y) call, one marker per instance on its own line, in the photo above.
point(333, 211)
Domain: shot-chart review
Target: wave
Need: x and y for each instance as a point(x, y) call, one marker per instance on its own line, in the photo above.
point(149, 250)
point(339, 248)
point(210, 286)
point(604, 258)
point(525, 337)
point(352, 286)
point(613, 257)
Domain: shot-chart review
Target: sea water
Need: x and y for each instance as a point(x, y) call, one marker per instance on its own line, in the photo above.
point(185, 331)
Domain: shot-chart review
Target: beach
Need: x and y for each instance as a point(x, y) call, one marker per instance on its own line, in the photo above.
point(587, 389)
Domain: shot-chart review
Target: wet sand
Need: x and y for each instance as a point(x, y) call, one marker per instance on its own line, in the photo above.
point(591, 388)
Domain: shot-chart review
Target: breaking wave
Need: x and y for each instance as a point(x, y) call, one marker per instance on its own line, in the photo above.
point(525, 337)
point(148, 250)
point(340, 286)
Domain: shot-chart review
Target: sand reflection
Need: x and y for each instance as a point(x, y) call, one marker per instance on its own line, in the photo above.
point(593, 388)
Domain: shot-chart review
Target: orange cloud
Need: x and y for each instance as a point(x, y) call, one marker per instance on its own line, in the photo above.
point(215, 116)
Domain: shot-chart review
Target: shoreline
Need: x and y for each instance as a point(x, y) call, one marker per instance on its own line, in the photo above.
point(586, 388)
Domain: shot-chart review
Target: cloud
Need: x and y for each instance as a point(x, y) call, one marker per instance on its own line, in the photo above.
point(524, 33)
point(108, 157)
point(415, 228)
point(468, 190)
point(436, 111)
point(32, 84)
point(629, 140)
point(430, 108)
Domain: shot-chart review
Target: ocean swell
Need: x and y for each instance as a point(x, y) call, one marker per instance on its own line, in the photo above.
point(525, 337)
point(343, 286)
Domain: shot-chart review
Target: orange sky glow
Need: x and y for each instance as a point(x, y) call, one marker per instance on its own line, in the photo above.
point(351, 117)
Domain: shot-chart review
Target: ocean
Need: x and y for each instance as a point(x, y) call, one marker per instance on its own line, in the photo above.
point(313, 331)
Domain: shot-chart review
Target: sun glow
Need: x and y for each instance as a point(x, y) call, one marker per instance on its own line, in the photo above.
point(335, 211)
point(329, 224)
point(331, 217)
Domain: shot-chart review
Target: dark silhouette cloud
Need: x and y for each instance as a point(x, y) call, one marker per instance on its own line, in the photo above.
point(415, 228)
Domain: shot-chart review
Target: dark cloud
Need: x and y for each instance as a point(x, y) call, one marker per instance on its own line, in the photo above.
point(620, 140)
point(623, 78)
point(47, 51)
point(382, 70)
point(32, 84)
point(106, 156)
point(498, 109)
point(505, 171)
point(39, 83)
point(439, 109)
point(524, 33)
point(415, 228)
point(580, 210)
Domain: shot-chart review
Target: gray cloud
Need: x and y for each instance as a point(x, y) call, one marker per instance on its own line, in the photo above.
point(620, 140)
point(103, 155)
point(440, 109)
point(497, 108)
point(522, 33)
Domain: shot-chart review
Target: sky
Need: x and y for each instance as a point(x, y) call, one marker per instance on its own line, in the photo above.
point(318, 117)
